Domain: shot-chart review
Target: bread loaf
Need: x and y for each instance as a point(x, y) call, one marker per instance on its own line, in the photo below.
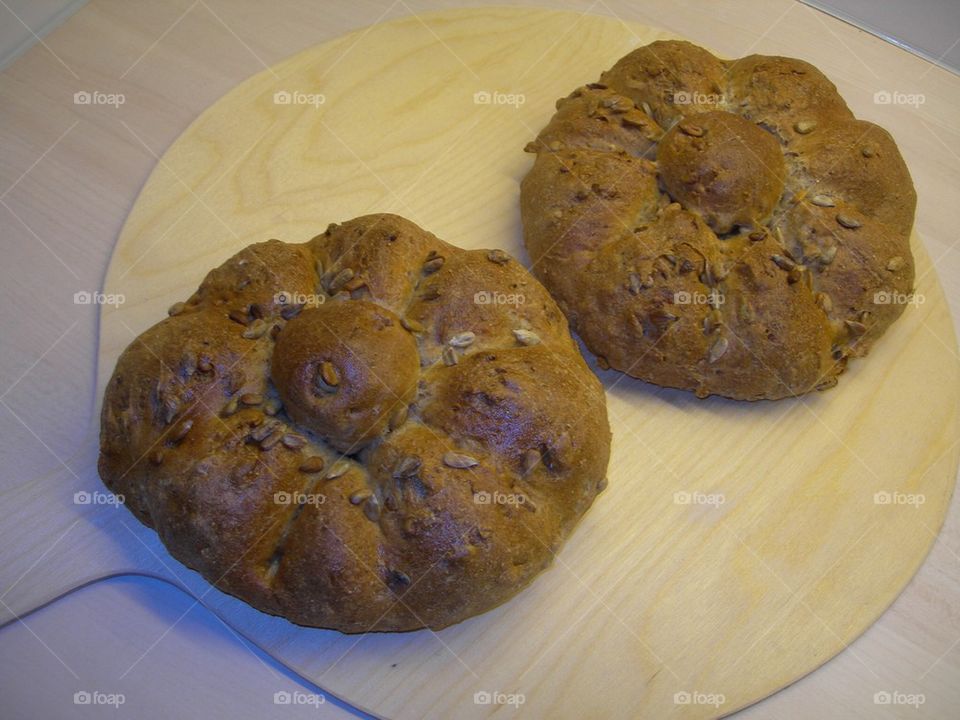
point(723, 226)
point(373, 430)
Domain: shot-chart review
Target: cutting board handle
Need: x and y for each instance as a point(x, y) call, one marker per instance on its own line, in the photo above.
point(77, 533)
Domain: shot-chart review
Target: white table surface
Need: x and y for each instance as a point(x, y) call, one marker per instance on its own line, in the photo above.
point(67, 180)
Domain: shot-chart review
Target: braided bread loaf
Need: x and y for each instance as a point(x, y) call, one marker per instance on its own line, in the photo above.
point(727, 227)
point(355, 433)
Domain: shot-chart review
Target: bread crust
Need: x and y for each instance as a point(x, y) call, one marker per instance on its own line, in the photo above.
point(721, 226)
point(370, 431)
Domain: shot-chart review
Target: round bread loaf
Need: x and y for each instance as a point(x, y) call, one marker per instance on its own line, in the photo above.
point(373, 430)
point(722, 226)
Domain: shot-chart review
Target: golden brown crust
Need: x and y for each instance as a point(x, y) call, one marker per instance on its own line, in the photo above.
point(724, 168)
point(726, 227)
point(341, 368)
point(373, 430)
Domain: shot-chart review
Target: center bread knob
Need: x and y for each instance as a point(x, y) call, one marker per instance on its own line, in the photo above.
point(344, 369)
point(724, 168)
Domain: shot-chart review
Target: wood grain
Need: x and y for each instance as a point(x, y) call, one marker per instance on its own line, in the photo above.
point(734, 600)
point(650, 597)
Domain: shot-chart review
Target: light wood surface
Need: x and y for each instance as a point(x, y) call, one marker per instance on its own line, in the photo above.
point(686, 579)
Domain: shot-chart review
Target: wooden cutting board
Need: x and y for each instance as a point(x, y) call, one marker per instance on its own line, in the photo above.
point(738, 546)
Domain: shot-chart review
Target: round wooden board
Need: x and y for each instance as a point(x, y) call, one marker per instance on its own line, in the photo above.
point(653, 596)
